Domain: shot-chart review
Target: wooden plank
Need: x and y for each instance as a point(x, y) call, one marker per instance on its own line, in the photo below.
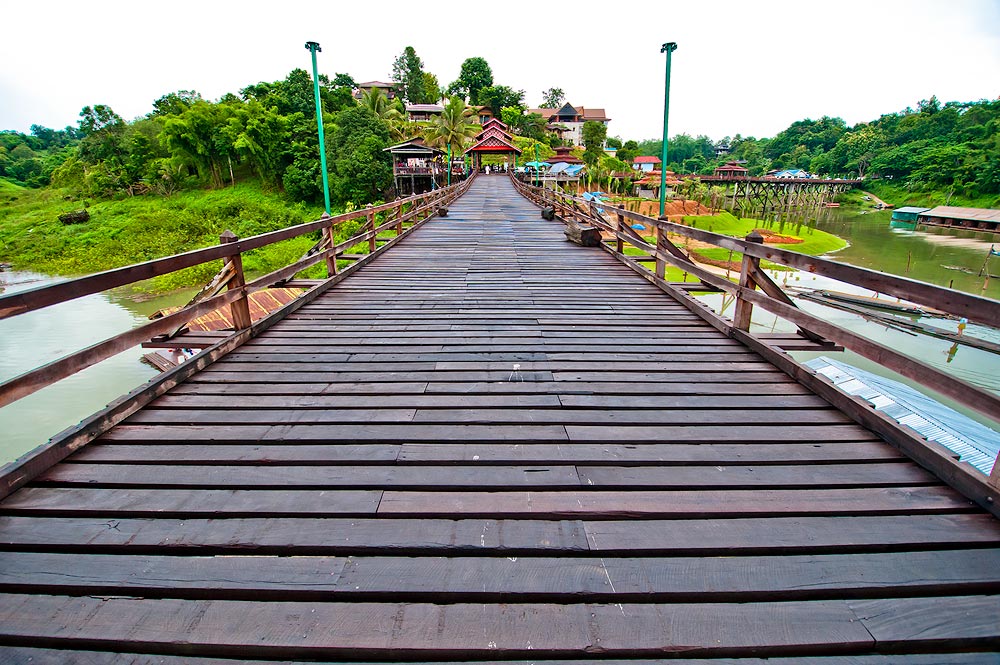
point(486, 415)
point(338, 433)
point(907, 623)
point(799, 475)
point(38, 656)
point(711, 433)
point(491, 453)
point(287, 536)
point(333, 630)
point(142, 502)
point(787, 534)
point(232, 454)
point(675, 504)
point(277, 477)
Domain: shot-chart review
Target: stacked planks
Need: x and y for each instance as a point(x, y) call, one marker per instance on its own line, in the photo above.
point(492, 444)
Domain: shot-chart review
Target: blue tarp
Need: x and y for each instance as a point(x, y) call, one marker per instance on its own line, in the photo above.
point(574, 169)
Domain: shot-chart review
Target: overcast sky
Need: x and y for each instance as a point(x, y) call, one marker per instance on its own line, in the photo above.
point(741, 67)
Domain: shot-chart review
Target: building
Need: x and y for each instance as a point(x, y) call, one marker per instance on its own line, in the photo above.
point(907, 214)
point(731, 170)
point(572, 118)
point(388, 89)
point(415, 166)
point(980, 219)
point(416, 112)
point(645, 163)
point(790, 174)
point(495, 139)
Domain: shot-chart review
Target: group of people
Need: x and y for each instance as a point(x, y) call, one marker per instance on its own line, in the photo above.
point(500, 168)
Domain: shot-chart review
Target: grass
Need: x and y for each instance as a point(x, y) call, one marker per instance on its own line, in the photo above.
point(899, 195)
point(814, 242)
point(134, 230)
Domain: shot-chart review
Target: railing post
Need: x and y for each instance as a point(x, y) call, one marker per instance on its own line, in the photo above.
point(744, 308)
point(661, 249)
point(239, 309)
point(371, 229)
point(331, 261)
point(994, 480)
point(399, 219)
point(619, 243)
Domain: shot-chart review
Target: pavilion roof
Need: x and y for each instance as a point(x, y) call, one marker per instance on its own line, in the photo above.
point(413, 147)
point(494, 144)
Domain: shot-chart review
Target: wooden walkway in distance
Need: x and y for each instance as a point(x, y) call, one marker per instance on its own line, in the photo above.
point(491, 444)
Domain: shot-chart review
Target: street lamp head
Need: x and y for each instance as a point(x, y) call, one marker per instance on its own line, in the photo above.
point(313, 46)
point(669, 47)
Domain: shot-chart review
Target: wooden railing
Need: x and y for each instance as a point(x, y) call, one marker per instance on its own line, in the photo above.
point(398, 217)
point(755, 288)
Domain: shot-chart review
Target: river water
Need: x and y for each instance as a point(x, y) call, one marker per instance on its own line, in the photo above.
point(38, 337)
point(930, 255)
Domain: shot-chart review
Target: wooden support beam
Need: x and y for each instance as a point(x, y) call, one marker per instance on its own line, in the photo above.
point(744, 309)
point(239, 308)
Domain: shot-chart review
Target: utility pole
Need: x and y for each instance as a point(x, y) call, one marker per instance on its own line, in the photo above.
point(667, 48)
point(313, 47)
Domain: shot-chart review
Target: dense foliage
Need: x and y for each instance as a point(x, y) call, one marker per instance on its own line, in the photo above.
point(954, 147)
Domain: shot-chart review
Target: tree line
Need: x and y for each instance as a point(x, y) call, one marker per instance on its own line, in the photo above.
point(953, 146)
point(267, 131)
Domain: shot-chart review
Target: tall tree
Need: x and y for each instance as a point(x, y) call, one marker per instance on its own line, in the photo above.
point(432, 89)
point(553, 98)
point(452, 126)
point(408, 75)
point(594, 134)
point(499, 96)
point(473, 77)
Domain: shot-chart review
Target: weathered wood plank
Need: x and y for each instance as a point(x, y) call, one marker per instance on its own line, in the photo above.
point(674, 504)
point(337, 433)
point(786, 534)
point(806, 476)
point(276, 477)
point(490, 453)
point(293, 536)
point(394, 630)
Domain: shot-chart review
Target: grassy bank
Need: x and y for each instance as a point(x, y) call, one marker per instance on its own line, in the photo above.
point(806, 240)
point(138, 229)
point(897, 194)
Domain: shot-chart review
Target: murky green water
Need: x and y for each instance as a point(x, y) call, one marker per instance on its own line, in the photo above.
point(32, 339)
point(938, 256)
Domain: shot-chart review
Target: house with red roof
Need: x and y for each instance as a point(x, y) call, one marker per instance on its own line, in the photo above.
point(645, 163)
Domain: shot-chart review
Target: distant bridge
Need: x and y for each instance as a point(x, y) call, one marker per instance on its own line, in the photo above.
point(777, 194)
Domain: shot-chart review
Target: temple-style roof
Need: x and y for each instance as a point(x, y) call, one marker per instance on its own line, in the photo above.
point(414, 147)
point(493, 144)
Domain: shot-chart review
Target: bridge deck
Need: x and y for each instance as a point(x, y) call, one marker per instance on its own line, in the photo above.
point(493, 444)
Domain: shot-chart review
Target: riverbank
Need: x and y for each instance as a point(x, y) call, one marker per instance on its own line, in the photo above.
point(137, 229)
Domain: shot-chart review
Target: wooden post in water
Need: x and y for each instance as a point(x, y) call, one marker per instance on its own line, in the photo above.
point(240, 309)
point(744, 308)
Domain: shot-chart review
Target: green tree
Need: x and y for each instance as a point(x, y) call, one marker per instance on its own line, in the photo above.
point(432, 89)
point(473, 77)
point(361, 169)
point(553, 98)
point(452, 127)
point(628, 151)
point(498, 96)
point(408, 75)
point(593, 134)
point(196, 138)
point(175, 103)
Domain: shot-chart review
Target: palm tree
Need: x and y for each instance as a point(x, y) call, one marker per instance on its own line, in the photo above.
point(451, 128)
point(375, 101)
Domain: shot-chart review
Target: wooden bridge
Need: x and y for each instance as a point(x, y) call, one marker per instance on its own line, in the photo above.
point(489, 444)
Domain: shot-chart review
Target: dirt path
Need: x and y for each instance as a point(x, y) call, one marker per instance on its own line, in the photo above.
point(876, 199)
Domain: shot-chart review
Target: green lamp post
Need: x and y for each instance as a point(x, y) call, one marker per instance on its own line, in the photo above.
point(313, 47)
point(667, 48)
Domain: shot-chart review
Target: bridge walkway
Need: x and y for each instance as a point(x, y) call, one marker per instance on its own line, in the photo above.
point(492, 444)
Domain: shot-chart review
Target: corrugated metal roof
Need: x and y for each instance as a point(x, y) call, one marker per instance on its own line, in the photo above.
point(911, 209)
point(976, 444)
point(953, 212)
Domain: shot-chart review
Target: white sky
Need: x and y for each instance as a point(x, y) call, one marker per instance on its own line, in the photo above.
point(741, 67)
